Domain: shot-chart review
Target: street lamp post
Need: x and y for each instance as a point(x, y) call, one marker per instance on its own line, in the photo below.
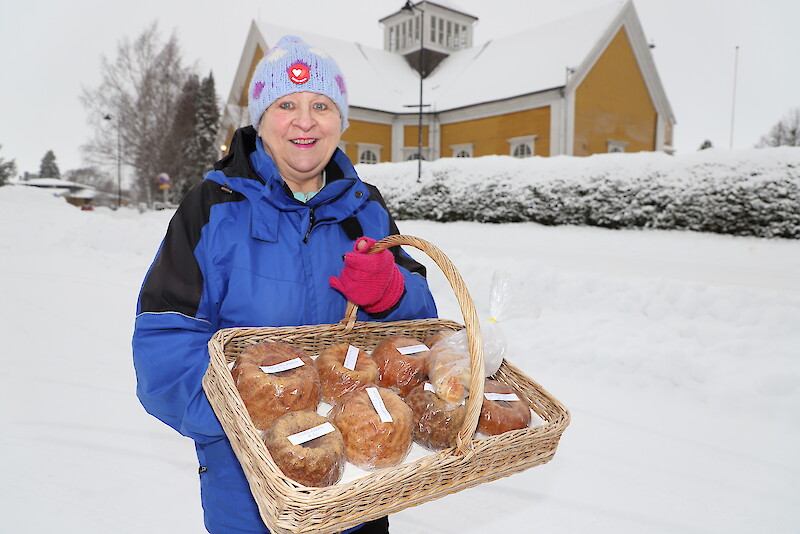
point(409, 7)
point(109, 117)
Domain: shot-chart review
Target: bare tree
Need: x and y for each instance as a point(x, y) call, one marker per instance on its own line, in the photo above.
point(133, 107)
point(94, 177)
point(785, 133)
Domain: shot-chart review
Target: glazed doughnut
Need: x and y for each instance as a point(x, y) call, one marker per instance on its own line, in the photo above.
point(370, 442)
point(317, 462)
point(449, 367)
point(401, 372)
point(268, 395)
point(336, 379)
point(436, 422)
point(498, 416)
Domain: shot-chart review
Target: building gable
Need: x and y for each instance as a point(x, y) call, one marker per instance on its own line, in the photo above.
point(613, 108)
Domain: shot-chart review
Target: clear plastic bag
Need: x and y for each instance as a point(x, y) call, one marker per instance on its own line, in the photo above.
point(504, 303)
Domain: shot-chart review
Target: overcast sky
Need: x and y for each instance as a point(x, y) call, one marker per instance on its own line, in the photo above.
point(50, 49)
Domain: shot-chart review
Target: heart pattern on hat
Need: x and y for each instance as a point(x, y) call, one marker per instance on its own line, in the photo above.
point(299, 73)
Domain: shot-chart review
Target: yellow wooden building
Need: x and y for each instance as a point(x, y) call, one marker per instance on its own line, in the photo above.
point(583, 85)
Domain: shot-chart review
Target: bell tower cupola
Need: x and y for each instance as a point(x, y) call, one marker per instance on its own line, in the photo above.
point(427, 32)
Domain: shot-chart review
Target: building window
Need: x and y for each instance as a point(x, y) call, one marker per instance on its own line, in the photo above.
point(368, 157)
point(414, 156)
point(462, 151)
point(441, 31)
point(369, 153)
point(433, 29)
point(449, 34)
point(616, 146)
point(522, 147)
point(522, 150)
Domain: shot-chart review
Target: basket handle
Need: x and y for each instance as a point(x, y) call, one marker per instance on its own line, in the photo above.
point(471, 323)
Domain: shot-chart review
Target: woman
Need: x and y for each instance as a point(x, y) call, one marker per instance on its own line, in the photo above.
point(274, 236)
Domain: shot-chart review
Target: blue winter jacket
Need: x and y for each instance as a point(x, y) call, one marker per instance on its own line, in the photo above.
point(241, 251)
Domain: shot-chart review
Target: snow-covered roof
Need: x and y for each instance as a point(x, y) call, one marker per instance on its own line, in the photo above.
point(54, 183)
point(452, 6)
point(528, 62)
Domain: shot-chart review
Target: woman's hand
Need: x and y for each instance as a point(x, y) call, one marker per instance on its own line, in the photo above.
point(372, 281)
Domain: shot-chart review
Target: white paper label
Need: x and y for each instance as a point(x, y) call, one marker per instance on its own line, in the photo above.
point(413, 349)
point(284, 366)
point(380, 407)
point(501, 396)
point(351, 358)
point(311, 433)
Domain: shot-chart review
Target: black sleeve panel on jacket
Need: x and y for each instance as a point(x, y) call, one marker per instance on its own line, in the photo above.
point(175, 282)
point(401, 259)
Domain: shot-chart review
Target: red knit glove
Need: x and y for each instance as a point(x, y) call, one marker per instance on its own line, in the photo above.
point(372, 281)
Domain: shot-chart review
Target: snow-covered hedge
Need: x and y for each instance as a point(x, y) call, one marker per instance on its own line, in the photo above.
point(752, 192)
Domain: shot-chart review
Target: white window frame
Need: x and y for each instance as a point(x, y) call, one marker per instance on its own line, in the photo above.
point(410, 151)
point(372, 147)
point(468, 148)
point(527, 141)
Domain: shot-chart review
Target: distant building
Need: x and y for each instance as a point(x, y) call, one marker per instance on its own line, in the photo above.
point(583, 85)
point(80, 195)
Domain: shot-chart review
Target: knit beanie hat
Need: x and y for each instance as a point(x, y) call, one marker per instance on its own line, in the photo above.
point(291, 66)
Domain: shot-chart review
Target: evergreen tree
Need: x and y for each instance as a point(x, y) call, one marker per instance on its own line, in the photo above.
point(7, 170)
point(195, 129)
point(48, 167)
point(174, 155)
point(203, 150)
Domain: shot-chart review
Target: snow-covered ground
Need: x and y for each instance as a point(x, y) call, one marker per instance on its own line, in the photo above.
point(678, 355)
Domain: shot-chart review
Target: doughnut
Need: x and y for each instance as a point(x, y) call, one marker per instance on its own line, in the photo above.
point(498, 416)
point(317, 462)
point(268, 395)
point(371, 443)
point(436, 422)
point(401, 372)
point(449, 367)
point(336, 379)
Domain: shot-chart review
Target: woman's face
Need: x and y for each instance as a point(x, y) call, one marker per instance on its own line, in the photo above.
point(300, 133)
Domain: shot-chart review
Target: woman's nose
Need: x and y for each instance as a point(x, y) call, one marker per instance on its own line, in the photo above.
point(304, 119)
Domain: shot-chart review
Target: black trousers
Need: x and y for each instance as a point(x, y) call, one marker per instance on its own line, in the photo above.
point(378, 526)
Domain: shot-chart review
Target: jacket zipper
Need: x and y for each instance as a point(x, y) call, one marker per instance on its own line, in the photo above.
point(310, 224)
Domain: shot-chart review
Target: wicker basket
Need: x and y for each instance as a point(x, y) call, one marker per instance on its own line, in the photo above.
point(289, 507)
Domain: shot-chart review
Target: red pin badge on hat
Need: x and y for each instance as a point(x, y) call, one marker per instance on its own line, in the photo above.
point(299, 73)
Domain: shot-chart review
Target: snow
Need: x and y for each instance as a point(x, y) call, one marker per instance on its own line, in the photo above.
point(676, 353)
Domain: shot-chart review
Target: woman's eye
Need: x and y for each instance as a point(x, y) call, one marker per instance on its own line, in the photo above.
point(320, 105)
point(285, 105)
